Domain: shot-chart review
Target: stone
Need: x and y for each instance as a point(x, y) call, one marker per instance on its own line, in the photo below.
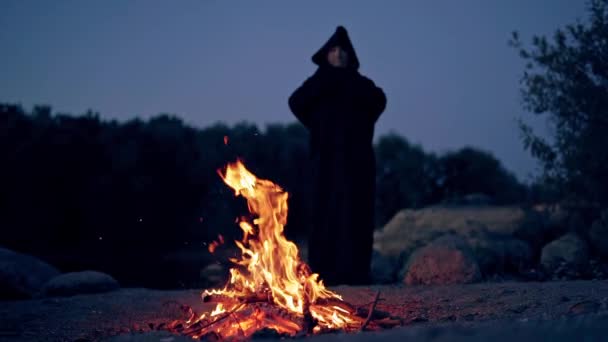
point(22, 276)
point(497, 254)
point(384, 268)
point(214, 275)
point(503, 239)
point(84, 282)
point(568, 255)
point(446, 260)
point(411, 229)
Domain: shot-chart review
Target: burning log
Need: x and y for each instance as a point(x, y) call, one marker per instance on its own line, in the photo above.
point(261, 298)
point(221, 298)
point(337, 302)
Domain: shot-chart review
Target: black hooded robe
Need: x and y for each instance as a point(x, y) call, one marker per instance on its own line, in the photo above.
point(339, 107)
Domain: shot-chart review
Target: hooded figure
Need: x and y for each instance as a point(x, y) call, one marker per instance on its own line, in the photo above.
point(339, 107)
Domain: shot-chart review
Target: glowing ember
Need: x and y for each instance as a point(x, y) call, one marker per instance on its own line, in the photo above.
point(214, 244)
point(269, 286)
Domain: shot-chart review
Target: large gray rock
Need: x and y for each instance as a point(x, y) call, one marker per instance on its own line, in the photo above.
point(22, 276)
point(497, 254)
point(569, 255)
point(384, 269)
point(73, 283)
point(411, 229)
point(446, 260)
point(598, 235)
point(498, 236)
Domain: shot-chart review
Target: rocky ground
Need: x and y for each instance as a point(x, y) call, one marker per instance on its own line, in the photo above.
point(514, 310)
point(474, 273)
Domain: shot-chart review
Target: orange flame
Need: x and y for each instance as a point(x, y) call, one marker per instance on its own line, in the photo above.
point(270, 267)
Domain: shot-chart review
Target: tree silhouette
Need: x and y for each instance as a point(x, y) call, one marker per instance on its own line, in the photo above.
point(140, 199)
point(566, 79)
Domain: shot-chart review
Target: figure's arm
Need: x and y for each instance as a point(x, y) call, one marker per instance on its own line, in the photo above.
point(304, 99)
point(372, 97)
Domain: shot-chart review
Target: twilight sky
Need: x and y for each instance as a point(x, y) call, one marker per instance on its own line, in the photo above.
point(445, 66)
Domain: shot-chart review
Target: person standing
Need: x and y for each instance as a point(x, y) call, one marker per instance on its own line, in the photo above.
point(340, 107)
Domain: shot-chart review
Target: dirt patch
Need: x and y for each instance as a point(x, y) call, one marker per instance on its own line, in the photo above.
point(130, 312)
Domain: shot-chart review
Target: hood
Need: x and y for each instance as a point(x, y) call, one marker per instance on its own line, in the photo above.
point(339, 38)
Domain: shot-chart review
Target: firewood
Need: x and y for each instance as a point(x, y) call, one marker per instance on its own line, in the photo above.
point(336, 302)
point(290, 323)
point(309, 322)
point(262, 298)
point(371, 311)
point(217, 298)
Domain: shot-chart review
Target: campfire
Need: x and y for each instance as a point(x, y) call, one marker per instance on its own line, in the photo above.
point(270, 288)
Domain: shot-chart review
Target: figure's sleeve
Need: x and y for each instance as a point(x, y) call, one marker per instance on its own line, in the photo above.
point(372, 97)
point(304, 99)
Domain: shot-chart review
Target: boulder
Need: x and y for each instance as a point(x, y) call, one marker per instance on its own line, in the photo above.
point(446, 260)
point(567, 256)
point(22, 276)
point(384, 268)
point(214, 275)
point(598, 235)
point(411, 229)
point(193, 267)
point(502, 239)
point(498, 254)
point(74, 283)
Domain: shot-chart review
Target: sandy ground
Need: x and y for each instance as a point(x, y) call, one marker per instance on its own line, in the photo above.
point(556, 311)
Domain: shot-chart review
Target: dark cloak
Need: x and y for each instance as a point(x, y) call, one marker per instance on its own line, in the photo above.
point(339, 107)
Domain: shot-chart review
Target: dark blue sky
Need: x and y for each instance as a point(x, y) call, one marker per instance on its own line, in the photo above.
point(449, 75)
